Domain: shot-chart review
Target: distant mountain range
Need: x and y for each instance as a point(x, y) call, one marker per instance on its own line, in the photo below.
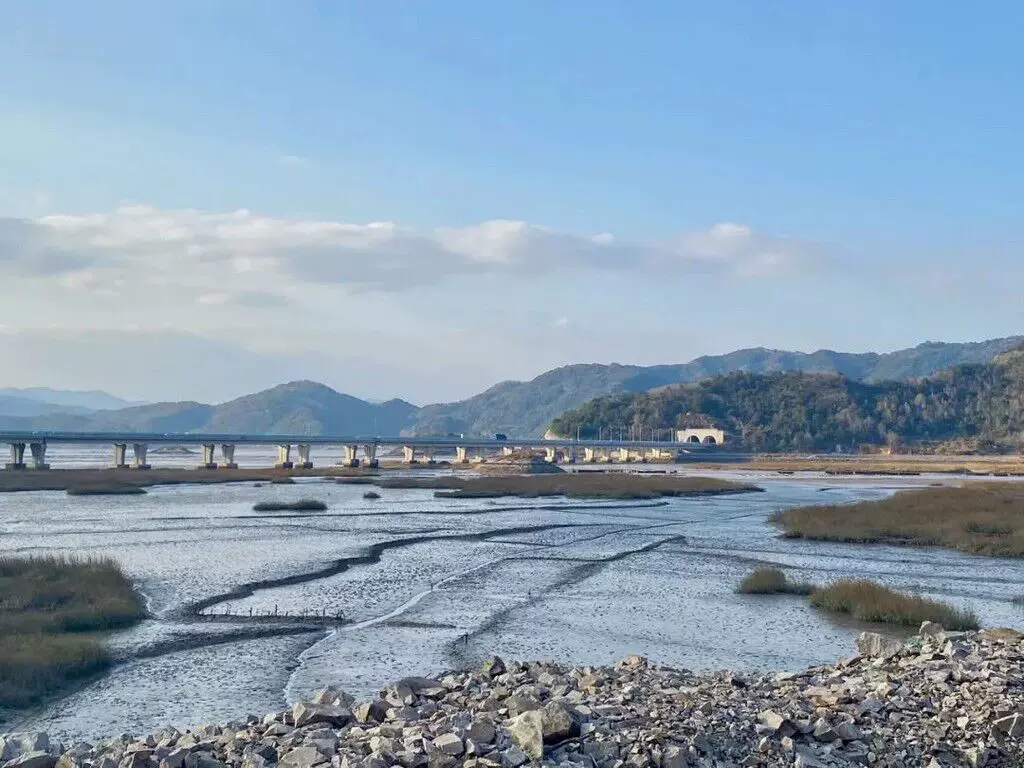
point(513, 407)
point(42, 401)
point(526, 408)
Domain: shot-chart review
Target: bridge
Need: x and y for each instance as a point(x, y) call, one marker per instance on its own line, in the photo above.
point(414, 448)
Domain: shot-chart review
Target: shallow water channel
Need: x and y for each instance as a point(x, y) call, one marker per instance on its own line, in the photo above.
point(430, 584)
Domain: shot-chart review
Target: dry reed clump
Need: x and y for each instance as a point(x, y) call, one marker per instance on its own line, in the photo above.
point(772, 581)
point(984, 519)
point(47, 607)
point(867, 601)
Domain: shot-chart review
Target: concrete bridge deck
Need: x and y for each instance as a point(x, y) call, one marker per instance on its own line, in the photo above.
point(567, 449)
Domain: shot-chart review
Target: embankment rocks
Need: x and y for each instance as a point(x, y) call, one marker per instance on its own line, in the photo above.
point(940, 699)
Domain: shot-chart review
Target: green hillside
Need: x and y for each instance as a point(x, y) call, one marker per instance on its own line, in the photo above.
point(982, 404)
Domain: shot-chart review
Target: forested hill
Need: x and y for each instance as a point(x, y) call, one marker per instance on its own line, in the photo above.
point(982, 404)
point(527, 407)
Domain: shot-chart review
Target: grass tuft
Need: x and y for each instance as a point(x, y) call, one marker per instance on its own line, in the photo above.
point(772, 581)
point(50, 608)
point(865, 600)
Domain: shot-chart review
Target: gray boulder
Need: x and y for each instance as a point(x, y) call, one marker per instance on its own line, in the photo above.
point(560, 722)
point(304, 713)
point(528, 732)
point(37, 759)
point(875, 645)
point(302, 757)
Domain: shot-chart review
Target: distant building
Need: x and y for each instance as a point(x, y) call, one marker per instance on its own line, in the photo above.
point(705, 436)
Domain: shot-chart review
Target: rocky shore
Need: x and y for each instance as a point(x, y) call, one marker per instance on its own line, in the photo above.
point(940, 699)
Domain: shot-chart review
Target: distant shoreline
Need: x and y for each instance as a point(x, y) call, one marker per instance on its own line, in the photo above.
point(839, 466)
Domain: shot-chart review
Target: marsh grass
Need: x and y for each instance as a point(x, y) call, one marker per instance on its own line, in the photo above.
point(50, 610)
point(983, 519)
point(868, 601)
point(302, 505)
point(106, 489)
point(1018, 600)
point(772, 581)
point(600, 485)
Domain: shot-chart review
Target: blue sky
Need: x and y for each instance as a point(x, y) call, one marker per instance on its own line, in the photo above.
point(833, 175)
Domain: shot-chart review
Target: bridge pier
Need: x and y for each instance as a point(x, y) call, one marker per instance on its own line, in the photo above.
point(461, 454)
point(370, 451)
point(140, 450)
point(304, 460)
point(38, 451)
point(120, 455)
point(569, 456)
point(284, 457)
point(507, 450)
point(209, 457)
point(589, 455)
point(227, 456)
point(350, 455)
point(409, 454)
point(550, 455)
point(17, 457)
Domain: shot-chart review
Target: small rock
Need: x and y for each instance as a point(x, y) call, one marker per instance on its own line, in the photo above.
point(779, 724)
point(493, 667)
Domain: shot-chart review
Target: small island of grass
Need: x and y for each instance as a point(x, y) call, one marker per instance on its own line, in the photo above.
point(106, 489)
point(862, 599)
point(51, 611)
point(772, 581)
point(580, 485)
point(302, 505)
point(865, 600)
point(983, 519)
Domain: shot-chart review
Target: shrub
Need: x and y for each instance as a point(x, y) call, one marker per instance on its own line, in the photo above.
point(772, 581)
point(371, 495)
point(865, 600)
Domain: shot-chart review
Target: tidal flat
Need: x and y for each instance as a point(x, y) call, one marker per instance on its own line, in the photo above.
point(426, 584)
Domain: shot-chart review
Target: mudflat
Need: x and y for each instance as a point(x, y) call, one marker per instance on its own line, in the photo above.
point(63, 479)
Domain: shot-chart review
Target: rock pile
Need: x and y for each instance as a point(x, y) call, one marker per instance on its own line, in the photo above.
point(938, 700)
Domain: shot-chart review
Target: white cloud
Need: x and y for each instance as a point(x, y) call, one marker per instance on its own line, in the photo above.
point(260, 253)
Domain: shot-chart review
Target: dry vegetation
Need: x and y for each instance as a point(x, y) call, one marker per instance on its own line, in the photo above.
point(867, 601)
point(611, 485)
point(984, 519)
point(48, 608)
point(772, 581)
point(302, 505)
point(862, 599)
